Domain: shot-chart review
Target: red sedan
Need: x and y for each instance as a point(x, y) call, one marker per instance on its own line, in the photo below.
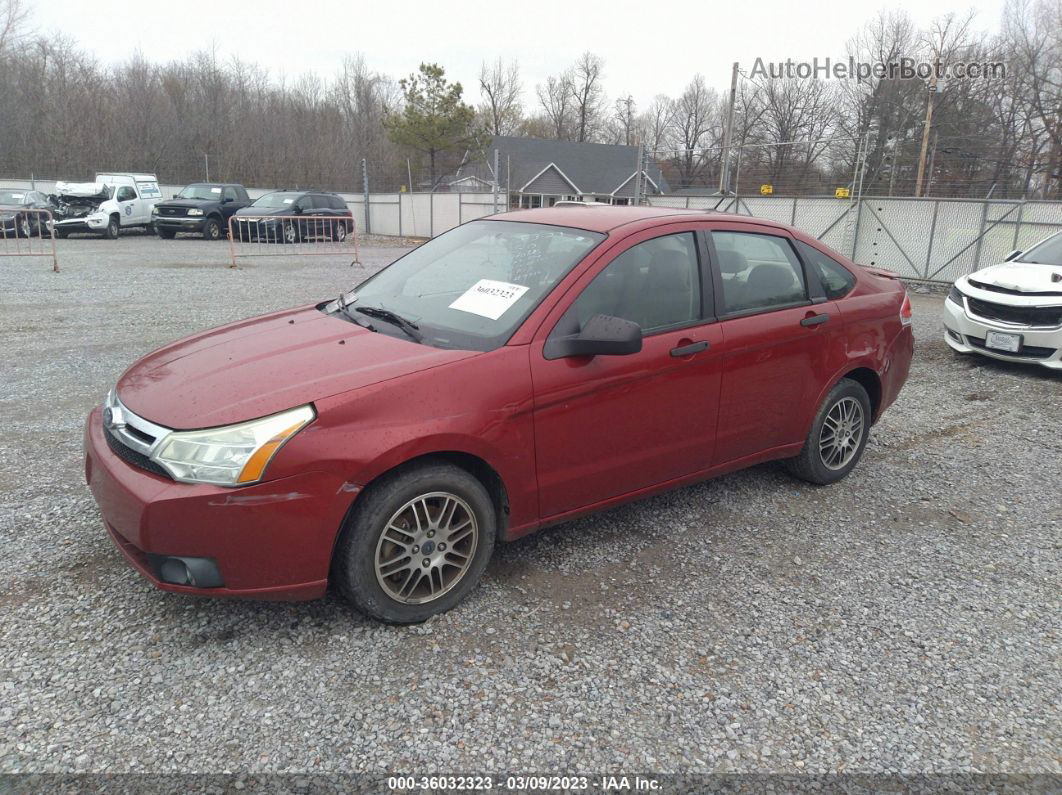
point(510, 374)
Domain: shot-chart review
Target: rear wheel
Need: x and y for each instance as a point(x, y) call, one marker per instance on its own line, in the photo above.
point(837, 437)
point(416, 543)
point(290, 233)
point(211, 229)
point(23, 227)
point(339, 232)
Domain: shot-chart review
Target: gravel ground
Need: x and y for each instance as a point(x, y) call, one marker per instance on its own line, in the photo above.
point(906, 620)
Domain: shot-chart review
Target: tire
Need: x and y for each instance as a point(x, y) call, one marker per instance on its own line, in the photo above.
point(340, 232)
point(211, 229)
point(61, 233)
point(289, 233)
point(165, 234)
point(846, 412)
point(23, 228)
point(113, 228)
point(373, 536)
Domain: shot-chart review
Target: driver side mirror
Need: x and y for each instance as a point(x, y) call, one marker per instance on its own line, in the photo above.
point(1012, 255)
point(602, 335)
point(176, 196)
point(296, 210)
point(227, 200)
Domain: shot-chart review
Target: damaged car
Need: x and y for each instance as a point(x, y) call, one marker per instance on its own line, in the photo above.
point(1013, 310)
point(15, 221)
point(108, 205)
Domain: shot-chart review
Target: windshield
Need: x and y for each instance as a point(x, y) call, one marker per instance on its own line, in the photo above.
point(12, 197)
point(208, 192)
point(472, 287)
point(1049, 252)
point(276, 200)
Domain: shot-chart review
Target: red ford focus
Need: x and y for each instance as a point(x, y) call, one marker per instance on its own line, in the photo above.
point(510, 374)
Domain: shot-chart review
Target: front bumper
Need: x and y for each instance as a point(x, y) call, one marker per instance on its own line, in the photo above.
point(178, 224)
point(966, 334)
point(271, 540)
point(85, 224)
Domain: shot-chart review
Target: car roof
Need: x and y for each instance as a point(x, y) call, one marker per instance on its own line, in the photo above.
point(606, 218)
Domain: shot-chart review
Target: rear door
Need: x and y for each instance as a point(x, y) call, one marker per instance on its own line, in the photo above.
point(774, 329)
point(607, 426)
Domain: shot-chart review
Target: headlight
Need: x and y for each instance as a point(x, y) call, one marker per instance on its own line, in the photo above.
point(155, 209)
point(194, 211)
point(955, 295)
point(232, 456)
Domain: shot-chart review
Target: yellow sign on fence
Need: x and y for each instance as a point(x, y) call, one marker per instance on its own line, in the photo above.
point(841, 193)
point(766, 190)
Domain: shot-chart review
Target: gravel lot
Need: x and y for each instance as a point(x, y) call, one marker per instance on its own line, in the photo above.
point(905, 620)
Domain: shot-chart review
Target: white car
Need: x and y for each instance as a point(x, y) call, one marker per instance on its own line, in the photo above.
point(1011, 311)
point(110, 204)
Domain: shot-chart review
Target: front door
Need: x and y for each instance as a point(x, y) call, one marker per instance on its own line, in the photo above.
point(606, 426)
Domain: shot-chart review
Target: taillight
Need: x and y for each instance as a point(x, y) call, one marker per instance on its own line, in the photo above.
point(906, 312)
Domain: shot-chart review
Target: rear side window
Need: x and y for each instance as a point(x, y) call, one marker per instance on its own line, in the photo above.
point(836, 279)
point(229, 194)
point(759, 271)
point(338, 203)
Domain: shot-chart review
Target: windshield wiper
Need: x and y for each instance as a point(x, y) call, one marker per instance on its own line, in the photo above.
point(386, 315)
point(345, 309)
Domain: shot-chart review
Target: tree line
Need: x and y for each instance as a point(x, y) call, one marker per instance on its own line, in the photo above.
point(63, 114)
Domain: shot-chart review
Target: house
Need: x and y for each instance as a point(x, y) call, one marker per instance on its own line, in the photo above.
point(536, 172)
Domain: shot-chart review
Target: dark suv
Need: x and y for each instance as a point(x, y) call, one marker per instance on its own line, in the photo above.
point(289, 216)
point(201, 208)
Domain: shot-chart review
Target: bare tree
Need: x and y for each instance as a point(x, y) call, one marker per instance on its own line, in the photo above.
point(500, 87)
point(588, 96)
point(694, 127)
point(555, 99)
point(623, 126)
point(14, 16)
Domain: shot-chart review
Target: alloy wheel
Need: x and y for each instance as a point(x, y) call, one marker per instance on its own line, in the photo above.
point(426, 547)
point(842, 433)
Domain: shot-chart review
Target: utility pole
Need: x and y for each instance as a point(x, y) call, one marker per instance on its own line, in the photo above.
point(925, 138)
point(206, 164)
point(497, 180)
point(724, 170)
point(365, 189)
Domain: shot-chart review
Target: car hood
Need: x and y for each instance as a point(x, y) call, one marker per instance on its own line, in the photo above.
point(267, 364)
point(185, 203)
point(1022, 277)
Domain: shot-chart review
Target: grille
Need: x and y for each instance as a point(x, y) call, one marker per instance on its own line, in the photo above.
point(132, 457)
point(1044, 316)
point(1027, 351)
point(171, 211)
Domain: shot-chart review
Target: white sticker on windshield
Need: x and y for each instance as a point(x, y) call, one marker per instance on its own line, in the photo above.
point(18, 195)
point(215, 190)
point(489, 298)
point(288, 201)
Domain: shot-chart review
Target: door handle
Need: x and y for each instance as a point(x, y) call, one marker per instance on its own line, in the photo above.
point(689, 350)
point(815, 320)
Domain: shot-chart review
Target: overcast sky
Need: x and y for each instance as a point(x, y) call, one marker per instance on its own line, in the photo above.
point(648, 47)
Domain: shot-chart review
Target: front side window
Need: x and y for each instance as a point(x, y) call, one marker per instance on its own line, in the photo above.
point(836, 279)
point(471, 287)
point(655, 284)
point(229, 194)
point(758, 271)
point(125, 194)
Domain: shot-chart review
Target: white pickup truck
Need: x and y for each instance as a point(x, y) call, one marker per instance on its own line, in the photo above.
point(112, 203)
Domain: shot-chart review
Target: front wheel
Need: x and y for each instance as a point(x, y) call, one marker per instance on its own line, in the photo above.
point(290, 233)
point(416, 543)
point(113, 228)
point(24, 227)
point(837, 437)
point(211, 229)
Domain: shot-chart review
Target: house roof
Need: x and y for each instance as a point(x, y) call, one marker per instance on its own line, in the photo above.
point(599, 169)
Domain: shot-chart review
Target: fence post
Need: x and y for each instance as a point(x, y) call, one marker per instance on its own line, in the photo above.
point(932, 236)
point(365, 189)
point(431, 214)
point(1017, 223)
point(980, 236)
point(792, 221)
point(400, 213)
